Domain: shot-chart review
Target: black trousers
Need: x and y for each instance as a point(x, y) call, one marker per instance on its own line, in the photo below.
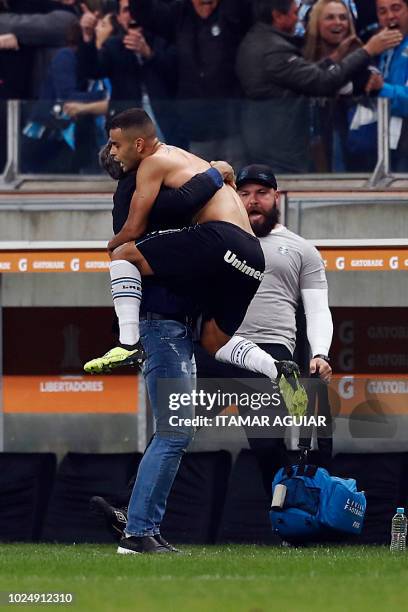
point(270, 452)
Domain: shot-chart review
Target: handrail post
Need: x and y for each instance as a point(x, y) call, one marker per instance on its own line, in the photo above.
point(11, 169)
point(381, 171)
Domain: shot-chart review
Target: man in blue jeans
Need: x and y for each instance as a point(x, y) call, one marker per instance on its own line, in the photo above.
point(165, 326)
point(169, 349)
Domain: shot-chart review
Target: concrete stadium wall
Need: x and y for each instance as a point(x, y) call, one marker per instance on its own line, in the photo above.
point(56, 216)
point(324, 216)
point(347, 289)
point(88, 217)
point(313, 215)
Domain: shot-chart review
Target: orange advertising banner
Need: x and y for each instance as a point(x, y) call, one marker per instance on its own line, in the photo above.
point(349, 394)
point(336, 260)
point(368, 260)
point(70, 394)
point(53, 261)
point(364, 396)
point(367, 395)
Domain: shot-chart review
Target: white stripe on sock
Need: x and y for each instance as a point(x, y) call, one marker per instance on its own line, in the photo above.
point(246, 354)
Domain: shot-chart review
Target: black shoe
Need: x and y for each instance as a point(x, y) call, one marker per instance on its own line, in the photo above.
point(287, 369)
point(290, 370)
point(116, 518)
point(159, 538)
point(141, 545)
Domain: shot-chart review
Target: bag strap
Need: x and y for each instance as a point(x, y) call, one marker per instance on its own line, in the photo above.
point(307, 470)
point(318, 403)
point(325, 439)
point(303, 458)
point(305, 437)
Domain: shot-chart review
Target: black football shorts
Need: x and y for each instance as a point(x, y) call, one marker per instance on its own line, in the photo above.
point(218, 263)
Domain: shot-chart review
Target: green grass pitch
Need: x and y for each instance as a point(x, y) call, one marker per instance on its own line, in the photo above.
point(209, 579)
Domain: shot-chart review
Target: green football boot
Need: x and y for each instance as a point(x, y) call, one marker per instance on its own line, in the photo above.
point(116, 358)
point(292, 391)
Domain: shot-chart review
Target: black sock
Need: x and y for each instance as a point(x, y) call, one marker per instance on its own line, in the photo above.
point(129, 347)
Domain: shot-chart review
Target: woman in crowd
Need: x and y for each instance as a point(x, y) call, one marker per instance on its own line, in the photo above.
point(331, 36)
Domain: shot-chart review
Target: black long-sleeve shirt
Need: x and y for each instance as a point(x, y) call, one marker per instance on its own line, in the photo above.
point(206, 48)
point(174, 208)
point(208, 88)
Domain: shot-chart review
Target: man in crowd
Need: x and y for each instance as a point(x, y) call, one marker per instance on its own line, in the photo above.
point(206, 34)
point(30, 34)
point(393, 14)
point(137, 63)
point(275, 78)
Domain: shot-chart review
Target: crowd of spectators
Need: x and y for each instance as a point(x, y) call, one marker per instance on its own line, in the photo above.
point(260, 81)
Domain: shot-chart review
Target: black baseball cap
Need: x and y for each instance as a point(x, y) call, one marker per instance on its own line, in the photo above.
point(256, 173)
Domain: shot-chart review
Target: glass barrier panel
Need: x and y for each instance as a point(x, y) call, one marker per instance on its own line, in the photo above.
point(296, 135)
point(53, 142)
point(300, 135)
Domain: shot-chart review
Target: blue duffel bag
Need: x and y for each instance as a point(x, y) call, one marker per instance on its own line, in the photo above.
point(312, 505)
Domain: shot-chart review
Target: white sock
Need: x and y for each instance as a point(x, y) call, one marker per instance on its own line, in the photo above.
point(126, 283)
point(246, 354)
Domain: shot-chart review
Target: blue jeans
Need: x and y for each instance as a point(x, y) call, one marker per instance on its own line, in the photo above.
point(169, 349)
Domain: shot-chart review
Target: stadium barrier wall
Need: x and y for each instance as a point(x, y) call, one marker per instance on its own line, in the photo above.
point(47, 405)
point(210, 501)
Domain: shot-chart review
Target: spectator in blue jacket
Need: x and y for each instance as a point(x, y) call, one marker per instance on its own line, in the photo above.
point(393, 14)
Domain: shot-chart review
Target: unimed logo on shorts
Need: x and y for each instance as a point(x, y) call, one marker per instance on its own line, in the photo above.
point(241, 266)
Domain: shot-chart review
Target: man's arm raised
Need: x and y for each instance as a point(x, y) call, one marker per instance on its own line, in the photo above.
point(149, 178)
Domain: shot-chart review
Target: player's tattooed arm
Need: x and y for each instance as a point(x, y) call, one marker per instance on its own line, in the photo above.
point(149, 178)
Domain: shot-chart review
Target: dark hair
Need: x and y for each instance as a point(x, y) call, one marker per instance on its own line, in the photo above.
point(73, 35)
point(108, 163)
point(264, 8)
point(117, 10)
point(109, 6)
point(134, 118)
point(116, 27)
